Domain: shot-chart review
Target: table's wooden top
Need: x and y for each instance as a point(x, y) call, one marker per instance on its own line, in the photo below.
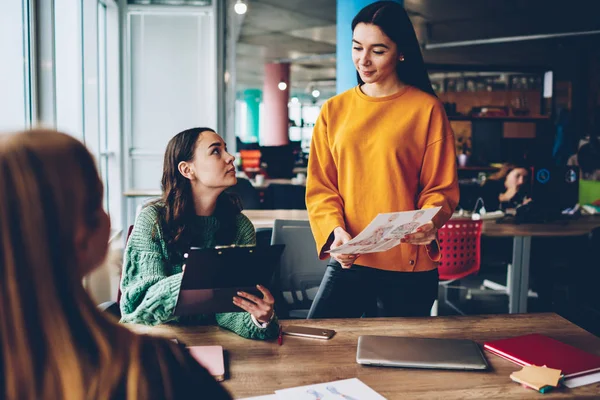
point(142, 193)
point(261, 367)
point(575, 227)
point(157, 192)
point(265, 184)
point(266, 218)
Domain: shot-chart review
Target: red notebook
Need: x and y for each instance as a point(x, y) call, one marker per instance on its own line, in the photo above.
point(540, 350)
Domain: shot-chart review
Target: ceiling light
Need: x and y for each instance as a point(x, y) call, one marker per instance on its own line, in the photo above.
point(282, 85)
point(240, 7)
point(316, 93)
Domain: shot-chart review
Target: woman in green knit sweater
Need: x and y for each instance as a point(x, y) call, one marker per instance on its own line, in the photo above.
point(194, 211)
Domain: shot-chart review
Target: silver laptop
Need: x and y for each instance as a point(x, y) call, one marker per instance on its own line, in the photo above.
point(411, 352)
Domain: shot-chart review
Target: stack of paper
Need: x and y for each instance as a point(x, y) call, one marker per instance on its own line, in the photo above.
point(348, 389)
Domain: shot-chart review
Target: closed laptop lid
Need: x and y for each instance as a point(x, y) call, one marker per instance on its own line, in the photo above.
point(411, 352)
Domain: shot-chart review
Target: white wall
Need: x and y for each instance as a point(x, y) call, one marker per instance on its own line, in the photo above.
point(173, 79)
point(68, 67)
point(12, 67)
point(171, 84)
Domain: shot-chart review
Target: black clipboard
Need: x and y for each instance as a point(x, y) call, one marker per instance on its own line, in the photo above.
point(212, 276)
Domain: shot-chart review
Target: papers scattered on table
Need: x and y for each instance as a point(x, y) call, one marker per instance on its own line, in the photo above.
point(348, 389)
point(385, 231)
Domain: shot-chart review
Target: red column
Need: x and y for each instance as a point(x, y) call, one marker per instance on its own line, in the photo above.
point(276, 105)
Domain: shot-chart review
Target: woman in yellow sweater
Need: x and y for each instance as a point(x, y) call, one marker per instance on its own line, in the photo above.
point(383, 146)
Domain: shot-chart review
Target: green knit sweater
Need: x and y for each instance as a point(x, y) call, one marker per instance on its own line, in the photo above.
point(152, 277)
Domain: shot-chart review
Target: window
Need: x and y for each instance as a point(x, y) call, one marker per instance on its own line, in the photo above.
point(15, 68)
point(86, 54)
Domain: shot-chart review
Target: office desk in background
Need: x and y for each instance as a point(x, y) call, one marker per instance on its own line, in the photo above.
point(266, 218)
point(268, 182)
point(260, 367)
point(521, 234)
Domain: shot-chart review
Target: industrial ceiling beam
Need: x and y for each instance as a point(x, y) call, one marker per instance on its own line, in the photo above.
point(508, 39)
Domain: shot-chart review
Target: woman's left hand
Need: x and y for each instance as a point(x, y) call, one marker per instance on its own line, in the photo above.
point(424, 235)
point(262, 309)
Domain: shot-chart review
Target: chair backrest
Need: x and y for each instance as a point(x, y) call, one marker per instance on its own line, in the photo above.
point(460, 247)
point(248, 194)
point(280, 196)
point(301, 271)
point(129, 230)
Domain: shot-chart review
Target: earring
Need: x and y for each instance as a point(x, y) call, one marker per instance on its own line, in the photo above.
point(401, 58)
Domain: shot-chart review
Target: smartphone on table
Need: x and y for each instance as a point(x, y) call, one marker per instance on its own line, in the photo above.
point(309, 332)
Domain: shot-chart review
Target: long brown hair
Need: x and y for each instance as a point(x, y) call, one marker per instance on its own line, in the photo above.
point(54, 343)
point(179, 201)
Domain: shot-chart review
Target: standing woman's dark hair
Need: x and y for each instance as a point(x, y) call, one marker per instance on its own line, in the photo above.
point(178, 198)
point(393, 20)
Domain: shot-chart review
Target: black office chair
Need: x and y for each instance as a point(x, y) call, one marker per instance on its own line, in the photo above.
point(300, 272)
point(247, 193)
point(285, 197)
point(263, 236)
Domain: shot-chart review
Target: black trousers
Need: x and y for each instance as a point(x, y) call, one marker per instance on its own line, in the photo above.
point(369, 292)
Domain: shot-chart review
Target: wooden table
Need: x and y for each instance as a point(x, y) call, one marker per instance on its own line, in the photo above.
point(521, 234)
point(143, 193)
point(265, 184)
point(259, 367)
point(157, 192)
point(266, 218)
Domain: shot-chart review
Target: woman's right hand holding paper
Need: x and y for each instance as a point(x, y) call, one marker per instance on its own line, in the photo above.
point(340, 237)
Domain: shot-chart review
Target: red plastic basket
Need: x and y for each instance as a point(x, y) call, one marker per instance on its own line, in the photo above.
point(460, 248)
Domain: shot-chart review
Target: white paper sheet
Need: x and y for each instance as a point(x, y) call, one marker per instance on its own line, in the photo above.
point(265, 397)
point(582, 380)
point(385, 231)
point(348, 389)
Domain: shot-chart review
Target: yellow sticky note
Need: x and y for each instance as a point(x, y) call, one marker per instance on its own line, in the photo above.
point(537, 377)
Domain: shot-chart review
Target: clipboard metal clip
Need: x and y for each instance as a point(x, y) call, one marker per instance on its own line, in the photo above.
point(234, 246)
point(230, 246)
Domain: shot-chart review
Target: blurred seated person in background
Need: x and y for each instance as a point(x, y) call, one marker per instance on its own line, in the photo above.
point(506, 189)
point(588, 158)
point(195, 211)
point(55, 343)
point(588, 153)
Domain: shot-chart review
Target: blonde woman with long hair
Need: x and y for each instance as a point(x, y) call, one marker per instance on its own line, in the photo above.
point(54, 343)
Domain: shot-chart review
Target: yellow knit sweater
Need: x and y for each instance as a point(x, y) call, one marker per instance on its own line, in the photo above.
point(372, 155)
